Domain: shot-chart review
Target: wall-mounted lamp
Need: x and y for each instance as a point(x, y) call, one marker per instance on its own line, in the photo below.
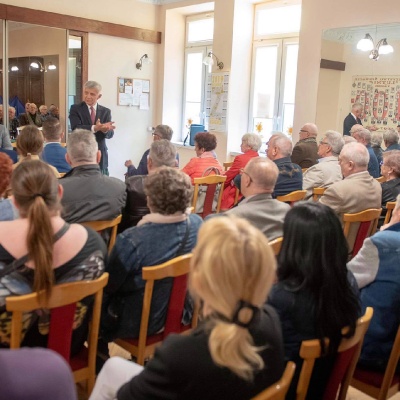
point(143, 60)
point(38, 65)
point(367, 44)
point(14, 68)
point(210, 62)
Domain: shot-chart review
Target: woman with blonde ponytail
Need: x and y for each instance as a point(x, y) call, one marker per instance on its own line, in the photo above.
point(237, 350)
point(40, 249)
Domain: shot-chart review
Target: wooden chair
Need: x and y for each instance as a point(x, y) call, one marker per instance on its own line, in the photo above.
point(99, 226)
point(345, 363)
point(62, 305)
point(318, 192)
point(62, 174)
point(389, 207)
point(367, 221)
point(304, 170)
point(380, 385)
point(177, 268)
point(278, 390)
point(276, 245)
point(211, 182)
point(293, 197)
point(227, 165)
point(381, 179)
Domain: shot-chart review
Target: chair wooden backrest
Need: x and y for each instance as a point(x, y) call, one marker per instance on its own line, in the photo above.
point(211, 182)
point(177, 268)
point(278, 390)
point(62, 306)
point(381, 179)
point(345, 363)
point(389, 209)
point(99, 226)
point(276, 245)
point(227, 165)
point(293, 197)
point(318, 192)
point(380, 385)
point(304, 170)
point(367, 220)
point(62, 174)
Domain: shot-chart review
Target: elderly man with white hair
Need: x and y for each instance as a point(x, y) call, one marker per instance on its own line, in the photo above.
point(391, 140)
point(305, 152)
point(363, 136)
point(358, 190)
point(327, 171)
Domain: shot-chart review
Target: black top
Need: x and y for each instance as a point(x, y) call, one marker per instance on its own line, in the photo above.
point(182, 368)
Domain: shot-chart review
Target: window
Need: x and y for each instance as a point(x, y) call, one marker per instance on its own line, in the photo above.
point(275, 51)
point(199, 35)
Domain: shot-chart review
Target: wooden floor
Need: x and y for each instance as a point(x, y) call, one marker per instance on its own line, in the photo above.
point(352, 394)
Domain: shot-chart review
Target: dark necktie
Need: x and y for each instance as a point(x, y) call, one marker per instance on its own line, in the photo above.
point(92, 115)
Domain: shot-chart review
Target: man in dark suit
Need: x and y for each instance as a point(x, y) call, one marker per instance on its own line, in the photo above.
point(92, 116)
point(353, 118)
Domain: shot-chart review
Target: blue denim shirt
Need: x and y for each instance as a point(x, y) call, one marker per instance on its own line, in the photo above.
point(290, 177)
point(135, 248)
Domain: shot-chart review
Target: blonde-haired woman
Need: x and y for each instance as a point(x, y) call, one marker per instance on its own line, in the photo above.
point(237, 350)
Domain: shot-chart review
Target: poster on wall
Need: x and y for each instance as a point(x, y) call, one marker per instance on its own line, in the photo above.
point(380, 98)
point(134, 92)
point(217, 101)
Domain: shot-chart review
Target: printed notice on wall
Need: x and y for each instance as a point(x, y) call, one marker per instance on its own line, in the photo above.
point(217, 101)
point(130, 92)
point(380, 98)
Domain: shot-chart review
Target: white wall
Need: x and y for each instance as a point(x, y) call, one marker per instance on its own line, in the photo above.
point(318, 15)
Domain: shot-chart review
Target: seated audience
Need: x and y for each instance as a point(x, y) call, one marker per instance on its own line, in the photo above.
point(40, 249)
point(13, 122)
point(53, 153)
point(327, 170)
point(363, 136)
point(376, 142)
point(35, 374)
point(89, 195)
point(7, 209)
point(348, 139)
point(251, 143)
point(29, 145)
point(358, 190)
point(161, 132)
point(311, 272)
point(258, 207)
point(54, 111)
point(391, 140)
point(204, 146)
point(5, 141)
point(165, 233)
point(236, 352)
point(43, 112)
point(376, 269)
point(32, 117)
point(305, 152)
point(162, 153)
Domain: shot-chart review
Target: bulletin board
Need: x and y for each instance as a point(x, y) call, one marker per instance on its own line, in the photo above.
point(134, 92)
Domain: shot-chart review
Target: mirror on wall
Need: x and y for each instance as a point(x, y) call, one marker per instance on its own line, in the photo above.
point(36, 65)
point(373, 83)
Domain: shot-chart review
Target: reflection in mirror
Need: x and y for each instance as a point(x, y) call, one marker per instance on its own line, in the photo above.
point(37, 69)
point(373, 83)
point(74, 71)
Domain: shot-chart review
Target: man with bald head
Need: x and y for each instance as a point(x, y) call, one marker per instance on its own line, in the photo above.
point(259, 177)
point(358, 190)
point(363, 136)
point(305, 152)
point(352, 119)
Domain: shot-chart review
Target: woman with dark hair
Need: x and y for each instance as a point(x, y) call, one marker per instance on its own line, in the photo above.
point(315, 295)
point(40, 249)
point(204, 146)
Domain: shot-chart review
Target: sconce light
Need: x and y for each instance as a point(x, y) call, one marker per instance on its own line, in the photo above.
point(367, 44)
point(38, 65)
point(210, 62)
point(50, 67)
point(14, 68)
point(143, 60)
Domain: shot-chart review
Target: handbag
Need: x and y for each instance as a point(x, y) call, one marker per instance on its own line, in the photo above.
point(201, 197)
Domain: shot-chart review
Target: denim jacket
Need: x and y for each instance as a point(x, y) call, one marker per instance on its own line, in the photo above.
point(135, 248)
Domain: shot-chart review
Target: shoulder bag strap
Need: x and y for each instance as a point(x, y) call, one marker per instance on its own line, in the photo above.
point(180, 250)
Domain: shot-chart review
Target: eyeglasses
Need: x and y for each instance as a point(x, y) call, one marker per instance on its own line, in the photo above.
point(242, 171)
point(304, 131)
point(156, 134)
point(322, 142)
